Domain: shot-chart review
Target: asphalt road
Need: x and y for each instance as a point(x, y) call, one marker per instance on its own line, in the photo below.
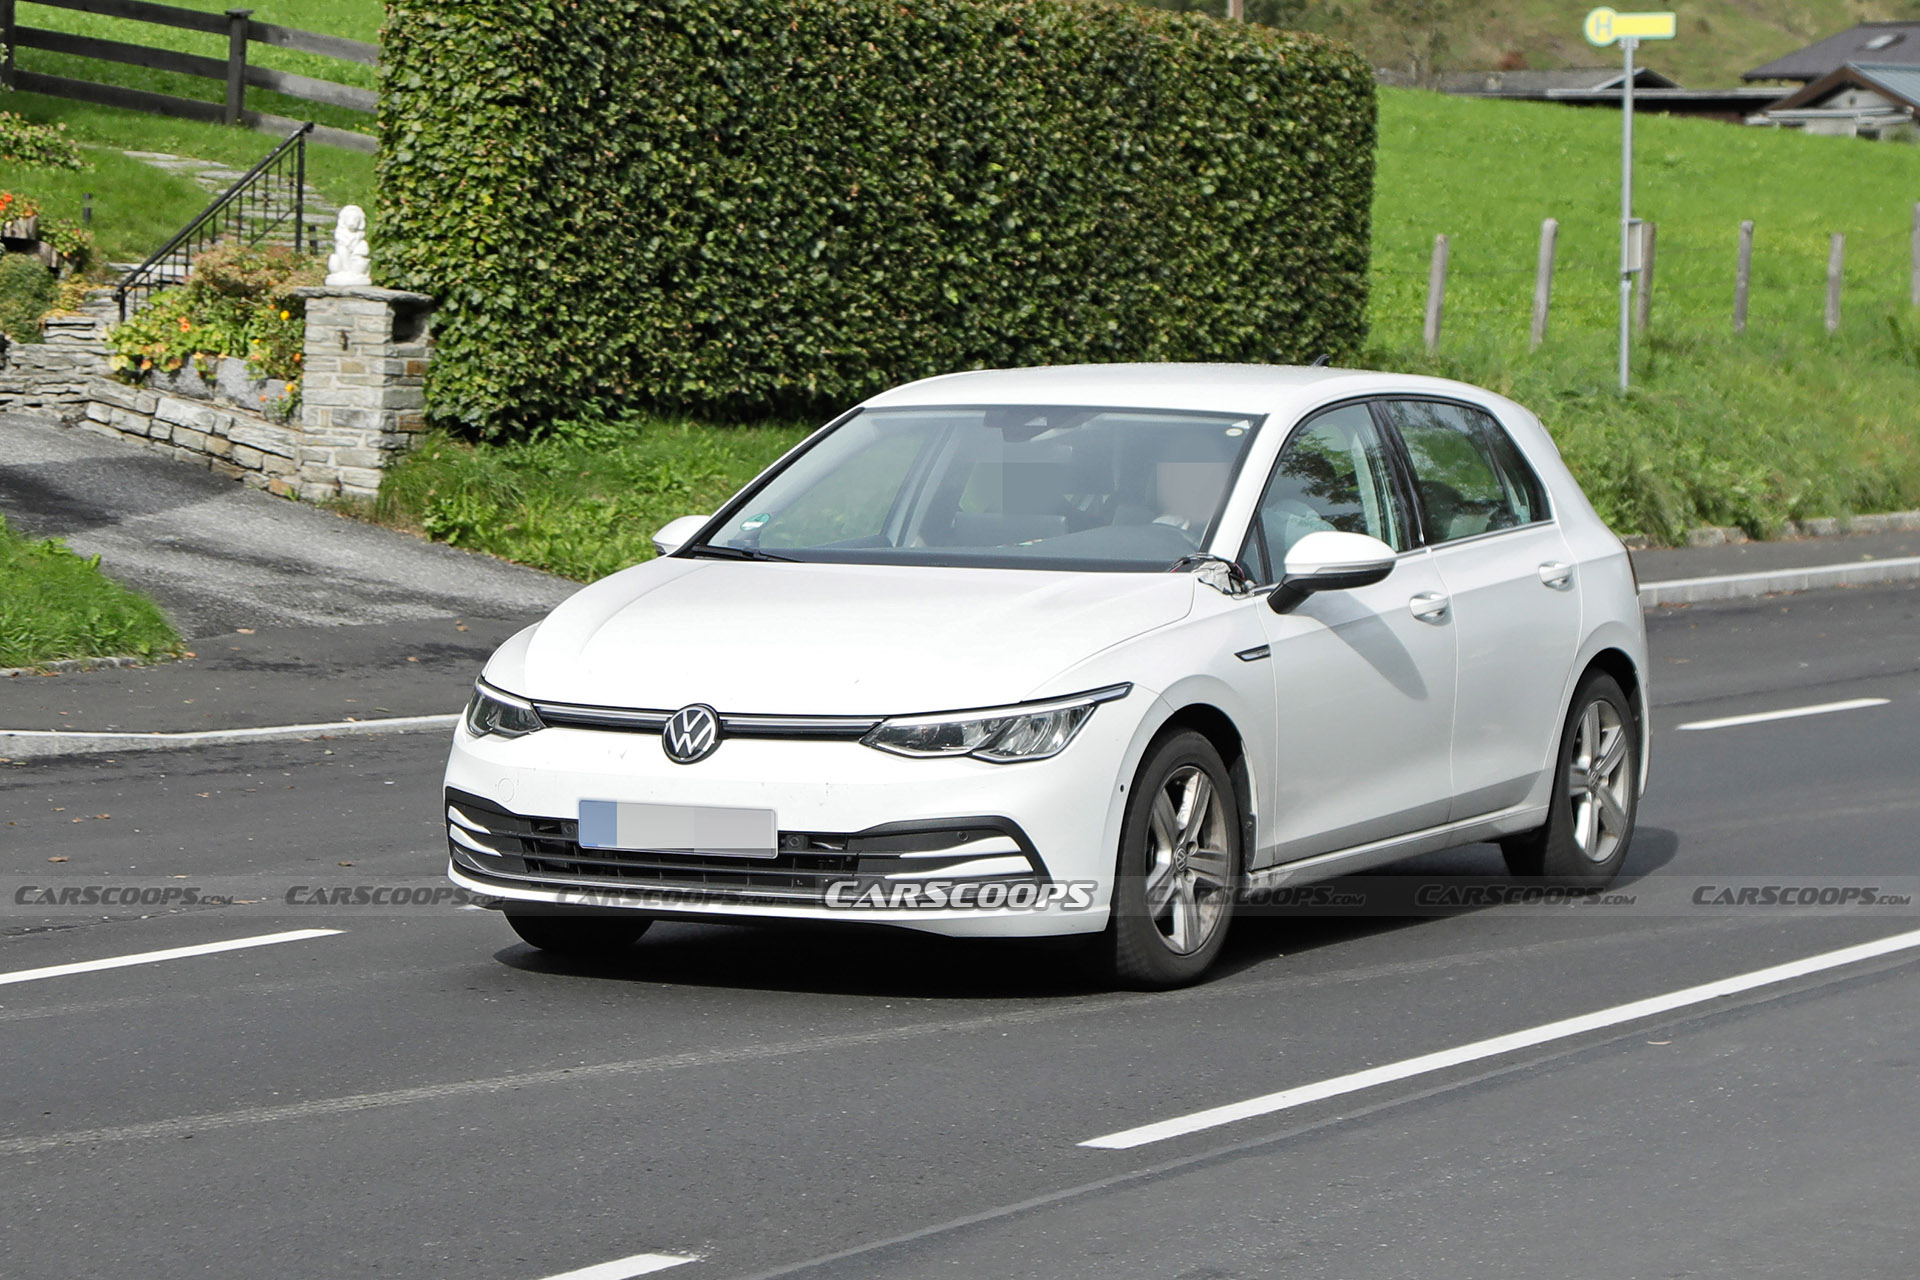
point(416, 1094)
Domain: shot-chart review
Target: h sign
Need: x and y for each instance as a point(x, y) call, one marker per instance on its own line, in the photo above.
point(1604, 26)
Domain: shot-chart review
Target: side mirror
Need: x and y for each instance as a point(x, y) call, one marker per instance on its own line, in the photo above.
point(1330, 561)
point(676, 532)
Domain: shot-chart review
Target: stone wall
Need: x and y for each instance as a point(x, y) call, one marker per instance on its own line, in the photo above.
point(362, 395)
point(220, 436)
point(53, 376)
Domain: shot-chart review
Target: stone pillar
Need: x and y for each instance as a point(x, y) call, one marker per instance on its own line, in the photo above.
point(362, 395)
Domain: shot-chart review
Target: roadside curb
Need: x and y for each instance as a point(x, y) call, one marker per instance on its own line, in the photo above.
point(42, 744)
point(61, 666)
point(1747, 586)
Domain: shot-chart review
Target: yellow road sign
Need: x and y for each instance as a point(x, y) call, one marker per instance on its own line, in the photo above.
point(1604, 26)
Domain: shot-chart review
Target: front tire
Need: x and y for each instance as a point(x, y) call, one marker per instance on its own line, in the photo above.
point(1178, 870)
point(577, 934)
point(1595, 798)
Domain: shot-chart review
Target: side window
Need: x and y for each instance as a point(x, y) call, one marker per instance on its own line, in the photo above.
point(1453, 452)
point(1528, 495)
point(1334, 473)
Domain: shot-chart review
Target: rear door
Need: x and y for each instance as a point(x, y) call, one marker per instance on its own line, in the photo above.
point(1514, 592)
point(1364, 679)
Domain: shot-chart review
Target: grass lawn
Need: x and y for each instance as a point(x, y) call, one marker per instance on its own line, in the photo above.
point(580, 504)
point(56, 604)
point(136, 207)
point(1784, 423)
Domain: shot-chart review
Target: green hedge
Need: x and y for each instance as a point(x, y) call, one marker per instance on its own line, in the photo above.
point(743, 207)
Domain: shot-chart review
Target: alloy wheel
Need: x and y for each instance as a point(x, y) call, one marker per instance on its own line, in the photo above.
point(1597, 781)
point(1189, 866)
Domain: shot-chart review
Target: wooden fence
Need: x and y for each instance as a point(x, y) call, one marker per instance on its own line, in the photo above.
point(1643, 280)
point(237, 25)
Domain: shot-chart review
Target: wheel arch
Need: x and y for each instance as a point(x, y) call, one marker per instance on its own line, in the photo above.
point(1218, 728)
point(1619, 664)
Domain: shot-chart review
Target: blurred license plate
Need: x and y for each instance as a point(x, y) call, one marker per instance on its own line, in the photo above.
point(677, 828)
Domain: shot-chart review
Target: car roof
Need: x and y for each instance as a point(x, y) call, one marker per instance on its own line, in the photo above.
point(1221, 388)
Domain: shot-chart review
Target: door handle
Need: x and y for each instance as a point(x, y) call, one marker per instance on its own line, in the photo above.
point(1557, 574)
point(1429, 606)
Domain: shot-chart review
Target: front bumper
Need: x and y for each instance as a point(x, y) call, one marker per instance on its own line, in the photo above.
point(850, 819)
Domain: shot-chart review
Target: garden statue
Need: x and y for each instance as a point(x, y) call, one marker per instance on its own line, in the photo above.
point(348, 264)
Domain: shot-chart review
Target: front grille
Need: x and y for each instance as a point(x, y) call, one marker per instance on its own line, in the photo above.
point(492, 842)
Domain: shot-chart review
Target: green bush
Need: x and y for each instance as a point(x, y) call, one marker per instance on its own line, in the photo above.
point(744, 207)
point(27, 291)
point(238, 301)
point(46, 145)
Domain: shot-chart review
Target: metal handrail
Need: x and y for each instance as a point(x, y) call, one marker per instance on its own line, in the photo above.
point(227, 215)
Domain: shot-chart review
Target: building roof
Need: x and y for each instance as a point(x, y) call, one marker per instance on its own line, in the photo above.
point(1890, 43)
point(1890, 80)
point(1538, 84)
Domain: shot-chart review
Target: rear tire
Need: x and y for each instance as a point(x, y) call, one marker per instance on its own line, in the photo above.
point(577, 934)
point(1178, 870)
point(1595, 798)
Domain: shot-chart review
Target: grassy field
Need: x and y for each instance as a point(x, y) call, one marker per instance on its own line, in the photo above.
point(356, 19)
point(55, 604)
point(1784, 423)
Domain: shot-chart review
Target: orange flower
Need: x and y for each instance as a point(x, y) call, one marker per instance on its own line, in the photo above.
point(186, 325)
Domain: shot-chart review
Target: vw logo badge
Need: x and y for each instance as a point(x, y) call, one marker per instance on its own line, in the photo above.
point(691, 734)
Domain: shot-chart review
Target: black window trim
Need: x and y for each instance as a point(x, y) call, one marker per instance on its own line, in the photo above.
point(1379, 403)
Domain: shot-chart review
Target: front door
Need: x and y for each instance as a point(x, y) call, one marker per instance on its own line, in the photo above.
point(1364, 679)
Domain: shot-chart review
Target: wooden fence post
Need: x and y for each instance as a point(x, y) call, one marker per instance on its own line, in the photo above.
point(1916, 254)
point(1643, 283)
point(1742, 277)
point(1836, 266)
point(1236, 10)
point(1543, 279)
point(1436, 293)
point(236, 64)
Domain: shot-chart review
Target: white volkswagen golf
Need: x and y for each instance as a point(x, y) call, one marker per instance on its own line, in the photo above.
point(1084, 650)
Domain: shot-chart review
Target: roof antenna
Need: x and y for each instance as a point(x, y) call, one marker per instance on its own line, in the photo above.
point(1321, 361)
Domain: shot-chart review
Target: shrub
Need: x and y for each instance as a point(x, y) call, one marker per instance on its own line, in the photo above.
point(238, 301)
point(47, 145)
point(73, 242)
point(742, 207)
point(27, 292)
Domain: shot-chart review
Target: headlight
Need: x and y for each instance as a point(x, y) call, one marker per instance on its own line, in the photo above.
point(1003, 735)
point(491, 711)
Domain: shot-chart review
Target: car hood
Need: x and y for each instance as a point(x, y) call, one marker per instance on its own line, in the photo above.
point(824, 639)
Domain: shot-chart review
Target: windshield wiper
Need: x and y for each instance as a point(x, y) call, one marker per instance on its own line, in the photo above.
point(708, 550)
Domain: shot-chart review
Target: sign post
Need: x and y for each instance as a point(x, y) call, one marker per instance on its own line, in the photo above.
point(1605, 27)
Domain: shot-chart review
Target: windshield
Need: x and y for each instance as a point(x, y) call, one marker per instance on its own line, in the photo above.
point(1009, 486)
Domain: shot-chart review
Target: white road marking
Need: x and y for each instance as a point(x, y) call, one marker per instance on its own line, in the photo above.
point(640, 1264)
point(154, 957)
point(1761, 717)
point(1287, 1099)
